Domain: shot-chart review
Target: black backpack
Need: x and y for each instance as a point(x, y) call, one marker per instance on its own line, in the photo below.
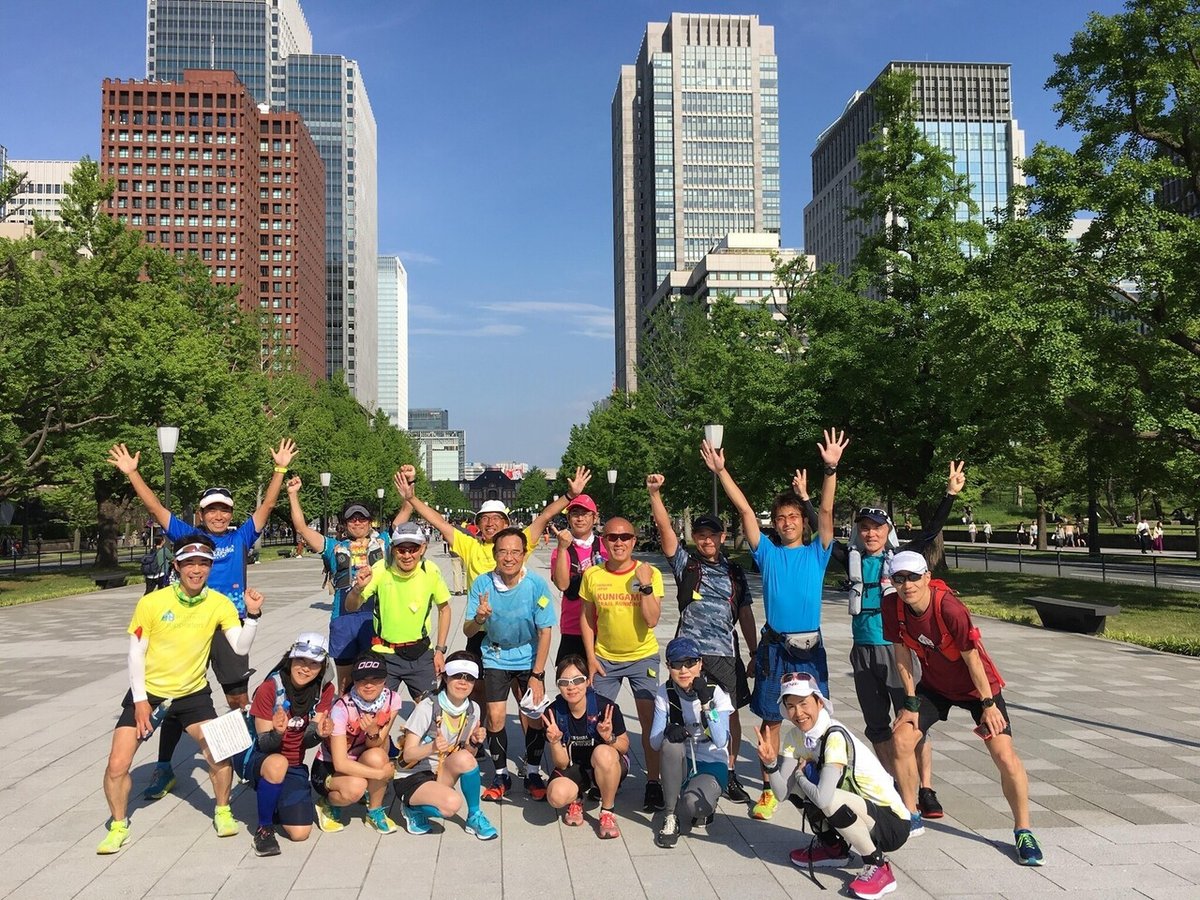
point(149, 564)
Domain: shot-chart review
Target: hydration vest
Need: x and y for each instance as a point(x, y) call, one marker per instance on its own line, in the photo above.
point(854, 558)
point(343, 570)
point(572, 590)
point(945, 645)
point(675, 711)
point(847, 781)
point(562, 718)
point(689, 587)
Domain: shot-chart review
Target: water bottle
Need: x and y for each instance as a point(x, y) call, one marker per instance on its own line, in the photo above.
point(156, 717)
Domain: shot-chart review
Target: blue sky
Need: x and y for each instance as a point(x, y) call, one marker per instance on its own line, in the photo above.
point(494, 159)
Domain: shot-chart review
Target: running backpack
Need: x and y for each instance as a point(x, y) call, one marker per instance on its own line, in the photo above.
point(945, 644)
point(689, 586)
point(562, 718)
point(149, 564)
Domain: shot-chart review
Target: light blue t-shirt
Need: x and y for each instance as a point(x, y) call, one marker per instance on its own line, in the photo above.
point(228, 574)
point(792, 580)
point(517, 614)
point(867, 626)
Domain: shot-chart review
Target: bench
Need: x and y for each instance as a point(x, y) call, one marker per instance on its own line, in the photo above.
point(1072, 615)
point(108, 580)
point(286, 552)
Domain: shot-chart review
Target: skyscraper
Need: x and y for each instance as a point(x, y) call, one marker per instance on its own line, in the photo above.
point(695, 147)
point(268, 44)
point(393, 340)
point(964, 108)
point(42, 194)
point(251, 37)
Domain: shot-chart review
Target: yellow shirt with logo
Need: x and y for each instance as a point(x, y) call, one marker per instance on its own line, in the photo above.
point(622, 634)
point(477, 556)
point(874, 783)
point(405, 600)
point(180, 638)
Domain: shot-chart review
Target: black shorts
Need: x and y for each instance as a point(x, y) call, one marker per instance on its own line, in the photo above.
point(890, 832)
point(935, 708)
point(232, 669)
point(568, 645)
point(406, 786)
point(729, 673)
point(295, 806)
point(496, 683)
point(584, 777)
point(319, 771)
point(475, 643)
point(189, 710)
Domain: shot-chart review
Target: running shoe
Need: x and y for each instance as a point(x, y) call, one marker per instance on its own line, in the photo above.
point(161, 784)
point(118, 834)
point(820, 856)
point(668, 834)
point(535, 787)
point(765, 807)
point(608, 825)
point(574, 814)
point(329, 817)
point(500, 786)
point(378, 819)
point(593, 793)
point(224, 822)
point(873, 882)
point(478, 825)
point(916, 827)
point(1029, 852)
point(415, 821)
point(653, 800)
point(927, 803)
point(735, 791)
point(265, 842)
point(703, 821)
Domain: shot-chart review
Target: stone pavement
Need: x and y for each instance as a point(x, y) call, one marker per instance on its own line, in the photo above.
point(1110, 734)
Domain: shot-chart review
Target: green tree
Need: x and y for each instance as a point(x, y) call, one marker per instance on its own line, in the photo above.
point(534, 490)
point(12, 183)
point(447, 495)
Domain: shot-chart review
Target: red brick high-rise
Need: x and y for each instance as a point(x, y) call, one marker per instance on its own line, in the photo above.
point(200, 168)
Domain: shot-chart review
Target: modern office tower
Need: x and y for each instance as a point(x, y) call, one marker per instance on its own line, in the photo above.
point(199, 168)
point(428, 419)
point(964, 108)
point(393, 340)
point(442, 453)
point(695, 147)
point(251, 37)
point(328, 91)
point(42, 194)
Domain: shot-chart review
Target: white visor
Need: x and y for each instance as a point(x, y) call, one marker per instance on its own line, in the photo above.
point(462, 667)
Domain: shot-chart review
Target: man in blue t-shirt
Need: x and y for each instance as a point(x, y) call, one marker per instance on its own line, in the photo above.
point(228, 577)
point(515, 607)
point(792, 576)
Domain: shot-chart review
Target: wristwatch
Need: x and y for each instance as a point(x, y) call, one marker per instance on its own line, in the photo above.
point(987, 702)
point(831, 470)
point(540, 676)
point(647, 589)
point(256, 616)
point(440, 648)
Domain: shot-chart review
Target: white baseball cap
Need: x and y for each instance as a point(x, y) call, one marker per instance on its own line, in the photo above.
point(801, 684)
point(529, 710)
point(909, 561)
point(310, 645)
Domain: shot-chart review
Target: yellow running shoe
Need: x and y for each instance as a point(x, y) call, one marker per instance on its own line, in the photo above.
point(224, 822)
point(118, 834)
point(329, 817)
point(765, 807)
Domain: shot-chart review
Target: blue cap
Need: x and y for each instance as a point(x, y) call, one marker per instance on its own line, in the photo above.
point(682, 648)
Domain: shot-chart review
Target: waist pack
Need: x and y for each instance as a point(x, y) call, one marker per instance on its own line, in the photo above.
point(793, 641)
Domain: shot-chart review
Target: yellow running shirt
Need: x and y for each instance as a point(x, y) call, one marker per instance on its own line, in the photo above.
point(622, 634)
point(180, 638)
point(405, 600)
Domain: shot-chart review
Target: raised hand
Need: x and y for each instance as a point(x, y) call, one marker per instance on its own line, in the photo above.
point(578, 484)
point(554, 734)
point(285, 453)
point(604, 726)
point(478, 736)
point(294, 484)
point(484, 611)
point(254, 601)
point(645, 574)
point(766, 753)
point(714, 459)
point(957, 479)
point(654, 483)
point(362, 576)
point(280, 720)
point(835, 443)
point(563, 536)
point(800, 483)
point(324, 725)
point(406, 487)
point(120, 457)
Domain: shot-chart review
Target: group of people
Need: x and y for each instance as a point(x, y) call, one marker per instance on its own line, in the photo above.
point(915, 656)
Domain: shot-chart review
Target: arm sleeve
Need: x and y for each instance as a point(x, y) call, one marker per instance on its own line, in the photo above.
point(270, 741)
point(822, 793)
point(840, 555)
point(810, 514)
point(781, 781)
point(933, 527)
point(241, 637)
point(718, 728)
point(138, 644)
point(660, 722)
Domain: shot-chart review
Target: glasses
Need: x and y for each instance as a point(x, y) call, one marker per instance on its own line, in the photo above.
point(575, 681)
point(790, 517)
point(793, 677)
point(902, 577)
point(407, 549)
point(871, 511)
point(686, 663)
point(510, 552)
point(465, 676)
point(619, 537)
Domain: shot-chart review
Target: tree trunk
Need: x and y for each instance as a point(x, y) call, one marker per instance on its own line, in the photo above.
point(1110, 504)
point(935, 550)
point(1041, 518)
point(1093, 533)
point(111, 506)
point(1137, 506)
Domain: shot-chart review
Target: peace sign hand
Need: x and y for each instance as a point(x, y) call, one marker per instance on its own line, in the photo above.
point(800, 483)
point(957, 479)
point(484, 611)
point(554, 734)
point(604, 727)
point(766, 752)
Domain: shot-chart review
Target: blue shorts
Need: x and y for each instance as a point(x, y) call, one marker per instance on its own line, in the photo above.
point(771, 661)
point(350, 635)
point(295, 806)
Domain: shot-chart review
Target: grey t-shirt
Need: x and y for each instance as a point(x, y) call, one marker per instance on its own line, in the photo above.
point(708, 619)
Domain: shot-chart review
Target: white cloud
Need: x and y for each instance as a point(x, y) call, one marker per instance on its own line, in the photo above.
point(517, 307)
point(416, 257)
point(495, 329)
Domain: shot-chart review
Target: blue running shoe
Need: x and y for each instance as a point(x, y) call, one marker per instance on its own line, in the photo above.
point(163, 781)
point(415, 821)
point(917, 827)
point(1029, 852)
point(478, 825)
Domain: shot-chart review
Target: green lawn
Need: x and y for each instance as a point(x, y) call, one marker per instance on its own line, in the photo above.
point(26, 588)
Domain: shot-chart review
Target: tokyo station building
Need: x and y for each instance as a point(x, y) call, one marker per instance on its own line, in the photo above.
point(199, 167)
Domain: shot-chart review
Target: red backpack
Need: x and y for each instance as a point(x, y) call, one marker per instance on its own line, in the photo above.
point(937, 591)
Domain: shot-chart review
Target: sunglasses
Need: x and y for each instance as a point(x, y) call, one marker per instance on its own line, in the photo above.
point(465, 676)
point(793, 677)
point(407, 549)
point(902, 577)
point(575, 681)
point(619, 537)
point(686, 663)
point(871, 511)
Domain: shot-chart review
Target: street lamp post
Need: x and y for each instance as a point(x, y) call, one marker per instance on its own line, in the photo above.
point(612, 489)
point(379, 492)
point(168, 440)
point(326, 477)
point(714, 434)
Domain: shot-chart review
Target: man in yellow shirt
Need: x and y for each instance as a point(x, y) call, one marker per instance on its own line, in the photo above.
point(170, 638)
point(622, 604)
point(406, 590)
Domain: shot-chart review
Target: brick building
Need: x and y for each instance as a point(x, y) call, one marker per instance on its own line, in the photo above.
point(199, 168)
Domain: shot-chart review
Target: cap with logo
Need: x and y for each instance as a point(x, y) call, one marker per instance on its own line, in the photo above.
point(310, 645)
point(873, 514)
point(708, 522)
point(583, 501)
point(909, 561)
point(408, 533)
point(216, 495)
point(368, 667)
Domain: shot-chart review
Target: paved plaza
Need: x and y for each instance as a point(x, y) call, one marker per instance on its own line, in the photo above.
point(1110, 734)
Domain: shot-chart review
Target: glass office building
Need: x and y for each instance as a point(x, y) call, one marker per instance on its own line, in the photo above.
point(393, 340)
point(695, 145)
point(964, 108)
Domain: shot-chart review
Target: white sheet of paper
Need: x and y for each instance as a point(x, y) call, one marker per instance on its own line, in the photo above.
point(226, 735)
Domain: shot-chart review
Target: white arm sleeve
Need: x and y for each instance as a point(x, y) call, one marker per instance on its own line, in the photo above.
point(241, 638)
point(137, 666)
